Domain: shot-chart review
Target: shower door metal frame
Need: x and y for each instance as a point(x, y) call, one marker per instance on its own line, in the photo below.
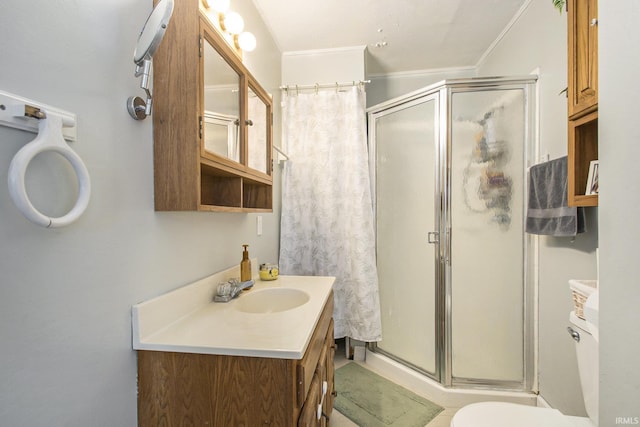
point(392, 106)
point(442, 92)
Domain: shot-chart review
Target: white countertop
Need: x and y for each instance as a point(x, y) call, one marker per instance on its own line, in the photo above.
point(187, 321)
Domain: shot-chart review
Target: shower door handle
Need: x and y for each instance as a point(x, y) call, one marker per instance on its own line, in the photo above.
point(433, 237)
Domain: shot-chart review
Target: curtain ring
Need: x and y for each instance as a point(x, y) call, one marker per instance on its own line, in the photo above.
point(317, 87)
point(337, 87)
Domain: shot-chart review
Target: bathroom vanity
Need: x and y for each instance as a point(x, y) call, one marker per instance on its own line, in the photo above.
point(262, 359)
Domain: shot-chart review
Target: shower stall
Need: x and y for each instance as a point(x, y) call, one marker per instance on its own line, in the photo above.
point(448, 166)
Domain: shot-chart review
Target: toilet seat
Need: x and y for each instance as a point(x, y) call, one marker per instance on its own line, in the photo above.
point(502, 414)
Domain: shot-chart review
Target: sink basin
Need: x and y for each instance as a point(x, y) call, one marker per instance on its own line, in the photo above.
point(272, 300)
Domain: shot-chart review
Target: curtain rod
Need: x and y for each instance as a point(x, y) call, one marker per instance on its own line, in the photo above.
point(317, 86)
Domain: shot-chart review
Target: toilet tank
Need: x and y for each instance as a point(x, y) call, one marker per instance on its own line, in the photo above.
point(587, 355)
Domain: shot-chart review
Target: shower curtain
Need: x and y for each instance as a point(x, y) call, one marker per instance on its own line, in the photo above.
point(327, 226)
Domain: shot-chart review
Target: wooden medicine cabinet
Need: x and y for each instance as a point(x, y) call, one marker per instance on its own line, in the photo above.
point(212, 122)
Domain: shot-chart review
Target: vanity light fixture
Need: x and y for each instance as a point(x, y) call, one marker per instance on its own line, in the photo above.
point(231, 25)
point(231, 22)
point(245, 41)
point(220, 6)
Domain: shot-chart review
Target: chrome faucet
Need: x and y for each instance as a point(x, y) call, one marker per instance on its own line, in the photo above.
point(230, 289)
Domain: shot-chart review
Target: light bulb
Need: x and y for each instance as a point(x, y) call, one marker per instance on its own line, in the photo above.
point(220, 6)
point(247, 41)
point(233, 23)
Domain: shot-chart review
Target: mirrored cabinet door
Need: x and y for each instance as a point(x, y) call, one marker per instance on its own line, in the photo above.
point(258, 131)
point(221, 118)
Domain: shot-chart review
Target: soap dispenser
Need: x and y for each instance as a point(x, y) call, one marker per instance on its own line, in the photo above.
point(245, 265)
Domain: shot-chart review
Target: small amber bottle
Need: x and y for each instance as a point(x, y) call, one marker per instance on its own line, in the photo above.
point(245, 265)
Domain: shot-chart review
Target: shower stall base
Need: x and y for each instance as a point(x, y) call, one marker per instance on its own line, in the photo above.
point(449, 397)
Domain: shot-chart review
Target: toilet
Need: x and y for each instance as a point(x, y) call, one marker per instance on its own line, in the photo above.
point(502, 414)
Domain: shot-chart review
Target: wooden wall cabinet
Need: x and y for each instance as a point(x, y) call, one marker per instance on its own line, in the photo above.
point(583, 97)
point(189, 172)
point(176, 389)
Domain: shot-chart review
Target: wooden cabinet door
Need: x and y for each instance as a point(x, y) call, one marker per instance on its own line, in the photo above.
point(309, 413)
point(583, 56)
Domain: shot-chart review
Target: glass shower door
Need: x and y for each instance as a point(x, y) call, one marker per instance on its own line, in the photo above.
point(405, 154)
point(488, 244)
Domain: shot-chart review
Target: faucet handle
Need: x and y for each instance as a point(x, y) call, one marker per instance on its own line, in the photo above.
point(224, 289)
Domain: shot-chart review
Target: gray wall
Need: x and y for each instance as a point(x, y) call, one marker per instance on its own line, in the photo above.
point(66, 294)
point(619, 151)
point(323, 66)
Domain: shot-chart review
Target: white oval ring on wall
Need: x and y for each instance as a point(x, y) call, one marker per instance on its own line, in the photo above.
point(49, 139)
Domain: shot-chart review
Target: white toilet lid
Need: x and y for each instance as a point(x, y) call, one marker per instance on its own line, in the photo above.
point(502, 414)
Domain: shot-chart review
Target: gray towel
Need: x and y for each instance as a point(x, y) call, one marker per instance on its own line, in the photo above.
point(547, 211)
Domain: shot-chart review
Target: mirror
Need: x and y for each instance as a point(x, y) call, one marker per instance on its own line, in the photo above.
point(222, 102)
point(257, 132)
point(153, 31)
point(221, 134)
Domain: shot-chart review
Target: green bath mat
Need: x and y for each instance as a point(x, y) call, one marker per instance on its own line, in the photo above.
point(369, 400)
